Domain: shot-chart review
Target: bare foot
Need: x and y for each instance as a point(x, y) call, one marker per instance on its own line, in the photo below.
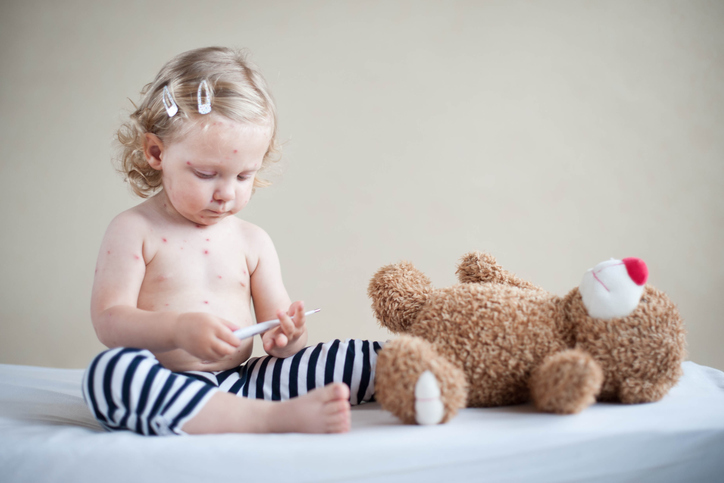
point(324, 410)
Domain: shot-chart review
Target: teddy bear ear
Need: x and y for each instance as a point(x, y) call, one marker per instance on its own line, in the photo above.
point(613, 288)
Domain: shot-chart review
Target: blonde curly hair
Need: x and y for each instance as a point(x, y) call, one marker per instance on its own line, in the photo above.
point(238, 92)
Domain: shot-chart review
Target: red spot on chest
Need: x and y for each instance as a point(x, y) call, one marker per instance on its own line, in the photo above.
point(164, 240)
point(220, 276)
point(206, 252)
point(136, 257)
point(236, 151)
point(206, 302)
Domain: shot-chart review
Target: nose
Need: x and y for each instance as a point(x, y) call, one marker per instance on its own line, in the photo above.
point(637, 270)
point(224, 192)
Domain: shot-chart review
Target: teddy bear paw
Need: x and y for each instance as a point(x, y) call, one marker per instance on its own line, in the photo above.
point(429, 408)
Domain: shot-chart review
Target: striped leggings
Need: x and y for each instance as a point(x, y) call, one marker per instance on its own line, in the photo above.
point(128, 389)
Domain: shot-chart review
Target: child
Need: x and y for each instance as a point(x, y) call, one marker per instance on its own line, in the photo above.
point(176, 274)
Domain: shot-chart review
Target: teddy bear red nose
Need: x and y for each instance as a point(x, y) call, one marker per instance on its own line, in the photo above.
point(637, 270)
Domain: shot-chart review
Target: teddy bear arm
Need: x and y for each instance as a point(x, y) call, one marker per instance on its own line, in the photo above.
point(479, 267)
point(566, 382)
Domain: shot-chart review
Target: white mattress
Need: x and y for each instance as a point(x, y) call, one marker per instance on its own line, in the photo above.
point(47, 434)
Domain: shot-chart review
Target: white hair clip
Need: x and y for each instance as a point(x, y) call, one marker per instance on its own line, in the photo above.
point(168, 102)
point(205, 106)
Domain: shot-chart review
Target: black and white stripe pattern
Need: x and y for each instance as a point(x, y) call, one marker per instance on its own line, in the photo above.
point(128, 389)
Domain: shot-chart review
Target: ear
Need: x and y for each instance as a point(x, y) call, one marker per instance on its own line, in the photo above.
point(153, 150)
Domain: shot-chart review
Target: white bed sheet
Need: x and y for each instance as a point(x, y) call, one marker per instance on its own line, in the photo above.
point(47, 434)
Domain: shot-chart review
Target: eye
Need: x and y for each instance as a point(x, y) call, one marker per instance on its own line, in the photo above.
point(203, 175)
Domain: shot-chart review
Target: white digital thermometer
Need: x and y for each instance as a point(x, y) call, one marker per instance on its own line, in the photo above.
point(262, 327)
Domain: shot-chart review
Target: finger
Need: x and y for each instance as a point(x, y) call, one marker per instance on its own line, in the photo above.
point(267, 340)
point(230, 325)
point(281, 340)
point(221, 349)
point(286, 323)
point(300, 319)
point(229, 337)
point(294, 308)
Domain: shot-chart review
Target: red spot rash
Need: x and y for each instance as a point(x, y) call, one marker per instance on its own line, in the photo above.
point(208, 239)
point(206, 302)
point(164, 240)
point(220, 276)
point(166, 305)
point(136, 257)
point(236, 151)
point(109, 252)
point(206, 252)
point(188, 163)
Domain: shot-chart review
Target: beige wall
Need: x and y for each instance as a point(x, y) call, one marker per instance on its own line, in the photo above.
point(552, 134)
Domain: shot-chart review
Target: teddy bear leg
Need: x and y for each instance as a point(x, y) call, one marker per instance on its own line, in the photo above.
point(566, 382)
point(416, 384)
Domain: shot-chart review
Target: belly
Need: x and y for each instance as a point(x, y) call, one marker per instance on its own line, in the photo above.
point(179, 360)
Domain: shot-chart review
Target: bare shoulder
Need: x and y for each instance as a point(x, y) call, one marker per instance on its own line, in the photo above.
point(134, 222)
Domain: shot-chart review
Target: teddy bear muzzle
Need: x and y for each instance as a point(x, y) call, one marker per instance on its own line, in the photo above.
point(613, 288)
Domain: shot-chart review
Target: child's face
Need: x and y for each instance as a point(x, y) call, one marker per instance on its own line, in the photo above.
point(209, 173)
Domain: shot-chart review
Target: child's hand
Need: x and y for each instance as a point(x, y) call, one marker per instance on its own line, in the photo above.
point(292, 328)
point(205, 336)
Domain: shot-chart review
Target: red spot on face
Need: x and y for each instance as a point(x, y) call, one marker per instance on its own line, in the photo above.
point(206, 302)
point(206, 252)
point(219, 276)
point(236, 151)
point(166, 305)
point(109, 252)
point(188, 163)
point(208, 239)
point(164, 240)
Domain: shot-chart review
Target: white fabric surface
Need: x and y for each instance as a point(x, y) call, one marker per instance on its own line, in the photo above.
point(48, 434)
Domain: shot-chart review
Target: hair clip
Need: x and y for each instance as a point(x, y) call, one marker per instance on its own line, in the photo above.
point(205, 106)
point(168, 102)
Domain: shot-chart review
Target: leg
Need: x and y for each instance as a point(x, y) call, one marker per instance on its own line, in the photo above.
point(315, 387)
point(351, 362)
point(566, 382)
point(416, 384)
point(128, 389)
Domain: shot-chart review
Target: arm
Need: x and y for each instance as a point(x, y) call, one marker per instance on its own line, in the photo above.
point(118, 321)
point(271, 301)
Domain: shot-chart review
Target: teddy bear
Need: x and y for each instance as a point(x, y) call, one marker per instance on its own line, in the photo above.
point(494, 339)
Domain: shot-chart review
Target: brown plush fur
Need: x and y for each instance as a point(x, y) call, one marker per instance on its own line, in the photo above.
point(511, 342)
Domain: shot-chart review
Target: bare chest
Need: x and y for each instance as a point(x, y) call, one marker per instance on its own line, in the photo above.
point(203, 271)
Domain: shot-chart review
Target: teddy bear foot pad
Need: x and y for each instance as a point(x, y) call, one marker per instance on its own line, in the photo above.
point(429, 408)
